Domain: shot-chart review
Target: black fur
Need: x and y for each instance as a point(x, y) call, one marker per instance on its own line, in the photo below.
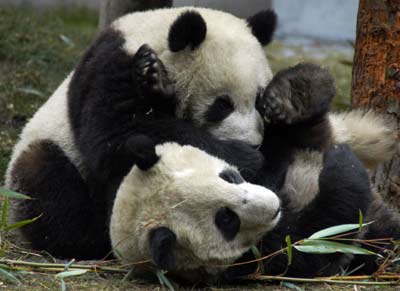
point(189, 29)
point(337, 203)
point(263, 25)
point(162, 248)
point(231, 176)
point(71, 225)
point(219, 110)
point(228, 222)
point(143, 151)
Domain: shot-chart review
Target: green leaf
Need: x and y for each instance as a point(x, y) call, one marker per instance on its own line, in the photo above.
point(4, 213)
point(63, 286)
point(291, 286)
point(12, 194)
point(21, 223)
point(30, 91)
point(257, 255)
point(360, 220)
point(164, 280)
point(66, 274)
point(8, 276)
point(316, 246)
point(289, 249)
point(334, 230)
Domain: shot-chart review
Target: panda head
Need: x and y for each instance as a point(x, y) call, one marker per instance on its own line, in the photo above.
point(218, 64)
point(184, 210)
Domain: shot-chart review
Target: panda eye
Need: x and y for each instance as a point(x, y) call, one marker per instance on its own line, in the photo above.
point(220, 109)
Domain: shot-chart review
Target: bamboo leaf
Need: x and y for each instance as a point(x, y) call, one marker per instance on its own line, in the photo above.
point(12, 194)
point(289, 249)
point(334, 230)
point(316, 246)
point(8, 276)
point(164, 280)
point(22, 223)
point(4, 213)
point(66, 274)
point(257, 255)
point(291, 286)
point(360, 220)
point(63, 286)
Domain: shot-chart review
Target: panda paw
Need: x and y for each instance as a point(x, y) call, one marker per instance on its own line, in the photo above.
point(150, 74)
point(297, 94)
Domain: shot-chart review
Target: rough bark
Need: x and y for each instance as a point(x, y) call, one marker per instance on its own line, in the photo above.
point(376, 77)
point(112, 9)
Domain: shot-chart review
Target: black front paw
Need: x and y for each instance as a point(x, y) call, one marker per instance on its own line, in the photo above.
point(297, 94)
point(153, 85)
point(141, 149)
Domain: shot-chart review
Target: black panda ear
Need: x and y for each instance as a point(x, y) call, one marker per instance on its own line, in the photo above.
point(263, 25)
point(142, 150)
point(189, 29)
point(162, 248)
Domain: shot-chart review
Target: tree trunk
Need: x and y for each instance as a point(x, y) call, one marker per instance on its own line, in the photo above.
point(376, 77)
point(112, 9)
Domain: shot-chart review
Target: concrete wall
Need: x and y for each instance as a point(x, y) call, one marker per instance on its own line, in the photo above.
point(241, 8)
point(332, 20)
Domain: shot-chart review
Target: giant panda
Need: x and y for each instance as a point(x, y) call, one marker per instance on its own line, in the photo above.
point(78, 144)
point(180, 206)
point(182, 210)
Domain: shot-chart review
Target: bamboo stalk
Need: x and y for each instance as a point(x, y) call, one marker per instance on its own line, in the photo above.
point(320, 280)
point(62, 266)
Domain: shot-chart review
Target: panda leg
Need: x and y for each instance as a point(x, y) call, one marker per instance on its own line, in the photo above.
point(70, 225)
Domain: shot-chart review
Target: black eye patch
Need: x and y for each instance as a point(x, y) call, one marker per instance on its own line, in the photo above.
point(220, 109)
point(231, 176)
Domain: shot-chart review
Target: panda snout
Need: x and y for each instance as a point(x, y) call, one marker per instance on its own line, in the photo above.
point(259, 206)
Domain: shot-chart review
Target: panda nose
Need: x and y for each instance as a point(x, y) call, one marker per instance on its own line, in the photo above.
point(228, 222)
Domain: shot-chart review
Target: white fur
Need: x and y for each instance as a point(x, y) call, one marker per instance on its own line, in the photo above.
point(187, 203)
point(371, 136)
point(301, 182)
point(49, 122)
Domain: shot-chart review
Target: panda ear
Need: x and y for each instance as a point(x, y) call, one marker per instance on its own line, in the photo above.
point(263, 25)
point(162, 248)
point(189, 29)
point(142, 150)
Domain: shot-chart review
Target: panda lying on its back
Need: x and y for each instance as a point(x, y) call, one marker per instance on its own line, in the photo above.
point(192, 214)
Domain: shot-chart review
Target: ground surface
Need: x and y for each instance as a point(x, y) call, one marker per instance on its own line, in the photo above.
point(37, 51)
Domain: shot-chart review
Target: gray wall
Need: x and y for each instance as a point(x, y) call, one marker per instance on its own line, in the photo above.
point(241, 8)
point(332, 20)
